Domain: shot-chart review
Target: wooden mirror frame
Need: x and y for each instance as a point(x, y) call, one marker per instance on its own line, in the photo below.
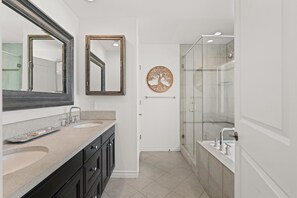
point(122, 40)
point(14, 100)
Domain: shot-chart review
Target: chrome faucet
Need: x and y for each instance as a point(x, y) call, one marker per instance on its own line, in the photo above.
point(70, 114)
point(222, 136)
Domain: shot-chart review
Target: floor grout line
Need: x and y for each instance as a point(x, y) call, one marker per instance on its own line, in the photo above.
point(152, 168)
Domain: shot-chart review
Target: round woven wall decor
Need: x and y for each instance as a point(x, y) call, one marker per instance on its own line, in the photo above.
point(159, 79)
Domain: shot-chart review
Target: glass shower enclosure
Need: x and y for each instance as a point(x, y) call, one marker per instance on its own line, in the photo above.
point(207, 90)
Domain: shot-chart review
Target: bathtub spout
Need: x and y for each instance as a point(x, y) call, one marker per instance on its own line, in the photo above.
point(222, 136)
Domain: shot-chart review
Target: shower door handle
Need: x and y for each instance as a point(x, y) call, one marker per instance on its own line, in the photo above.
point(192, 107)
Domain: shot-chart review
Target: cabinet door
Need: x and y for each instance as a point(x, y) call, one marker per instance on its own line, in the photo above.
point(111, 154)
point(105, 164)
point(52, 184)
point(95, 191)
point(73, 188)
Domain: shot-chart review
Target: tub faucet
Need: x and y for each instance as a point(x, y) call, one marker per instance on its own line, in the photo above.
point(70, 114)
point(222, 136)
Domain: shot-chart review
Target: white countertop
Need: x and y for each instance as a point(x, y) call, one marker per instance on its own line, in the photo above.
point(62, 145)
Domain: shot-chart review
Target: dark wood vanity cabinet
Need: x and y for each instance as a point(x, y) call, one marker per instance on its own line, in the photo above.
point(108, 156)
point(73, 188)
point(112, 154)
point(83, 176)
point(96, 189)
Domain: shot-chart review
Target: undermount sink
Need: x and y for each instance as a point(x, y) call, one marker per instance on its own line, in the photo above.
point(88, 125)
point(19, 158)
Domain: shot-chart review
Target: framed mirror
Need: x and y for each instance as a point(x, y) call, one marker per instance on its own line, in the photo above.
point(105, 64)
point(37, 58)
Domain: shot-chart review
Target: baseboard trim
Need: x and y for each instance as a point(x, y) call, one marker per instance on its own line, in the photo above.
point(160, 149)
point(124, 174)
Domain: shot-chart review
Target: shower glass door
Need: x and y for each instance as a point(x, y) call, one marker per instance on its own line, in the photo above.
point(192, 89)
point(188, 105)
point(198, 91)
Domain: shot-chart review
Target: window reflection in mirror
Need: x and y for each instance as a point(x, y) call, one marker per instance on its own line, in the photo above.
point(32, 59)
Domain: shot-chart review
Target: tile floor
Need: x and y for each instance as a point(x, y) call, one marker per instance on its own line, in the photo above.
point(162, 175)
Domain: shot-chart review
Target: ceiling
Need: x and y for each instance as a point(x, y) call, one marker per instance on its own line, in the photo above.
point(164, 21)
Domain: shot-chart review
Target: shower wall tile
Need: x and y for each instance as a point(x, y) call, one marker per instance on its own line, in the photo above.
point(189, 136)
point(213, 56)
point(198, 61)
point(199, 131)
point(212, 131)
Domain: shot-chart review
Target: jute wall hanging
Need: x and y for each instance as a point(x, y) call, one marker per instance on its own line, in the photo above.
point(159, 79)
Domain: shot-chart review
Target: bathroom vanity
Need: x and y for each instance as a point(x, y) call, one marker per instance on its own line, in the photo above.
point(79, 161)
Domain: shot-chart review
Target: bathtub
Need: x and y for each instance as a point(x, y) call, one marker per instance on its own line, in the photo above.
point(215, 169)
point(226, 160)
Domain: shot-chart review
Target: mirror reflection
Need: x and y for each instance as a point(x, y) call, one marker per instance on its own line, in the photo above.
point(97, 70)
point(105, 64)
point(45, 64)
point(32, 60)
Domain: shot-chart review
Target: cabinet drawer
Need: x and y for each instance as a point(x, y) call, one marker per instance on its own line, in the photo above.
point(95, 191)
point(92, 148)
point(107, 134)
point(92, 170)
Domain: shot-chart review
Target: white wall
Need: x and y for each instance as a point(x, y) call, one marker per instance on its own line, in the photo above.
point(51, 50)
point(1, 178)
point(111, 58)
point(98, 50)
point(95, 70)
point(125, 106)
point(44, 75)
point(159, 123)
point(112, 71)
point(61, 13)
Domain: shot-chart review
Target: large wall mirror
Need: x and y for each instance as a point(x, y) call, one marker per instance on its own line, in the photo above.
point(105, 65)
point(37, 58)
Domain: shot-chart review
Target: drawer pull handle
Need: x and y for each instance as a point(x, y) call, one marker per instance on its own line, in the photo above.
point(94, 147)
point(95, 196)
point(94, 169)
